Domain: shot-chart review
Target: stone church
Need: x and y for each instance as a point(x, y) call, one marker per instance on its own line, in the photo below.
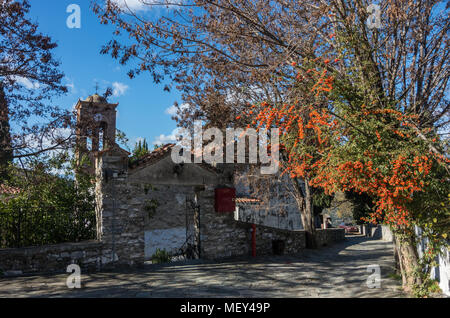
point(193, 210)
point(189, 210)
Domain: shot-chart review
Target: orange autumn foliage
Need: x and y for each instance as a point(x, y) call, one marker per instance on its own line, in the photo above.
point(310, 135)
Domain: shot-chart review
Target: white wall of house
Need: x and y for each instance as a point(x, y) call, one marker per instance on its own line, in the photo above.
point(440, 273)
point(289, 220)
point(278, 207)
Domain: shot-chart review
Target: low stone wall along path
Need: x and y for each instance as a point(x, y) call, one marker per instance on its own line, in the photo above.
point(340, 270)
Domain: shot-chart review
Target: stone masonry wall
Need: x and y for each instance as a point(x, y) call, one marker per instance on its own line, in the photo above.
point(386, 234)
point(165, 217)
point(329, 236)
point(294, 241)
point(120, 230)
point(120, 209)
point(227, 238)
point(89, 255)
point(220, 235)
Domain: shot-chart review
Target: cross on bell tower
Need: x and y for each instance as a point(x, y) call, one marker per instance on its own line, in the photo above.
point(95, 131)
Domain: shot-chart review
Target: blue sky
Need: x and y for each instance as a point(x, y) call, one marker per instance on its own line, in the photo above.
point(143, 105)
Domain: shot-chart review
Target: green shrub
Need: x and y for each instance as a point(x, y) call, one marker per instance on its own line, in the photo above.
point(395, 276)
point(49, 209)
point(161, 256)
point(150, 207)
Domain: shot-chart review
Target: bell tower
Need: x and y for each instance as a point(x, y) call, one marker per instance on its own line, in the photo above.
point(95, 131)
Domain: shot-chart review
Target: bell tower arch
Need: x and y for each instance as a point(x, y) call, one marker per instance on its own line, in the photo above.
point(95, 130)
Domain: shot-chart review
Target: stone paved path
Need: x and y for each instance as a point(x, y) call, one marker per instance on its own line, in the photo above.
point(336, 271)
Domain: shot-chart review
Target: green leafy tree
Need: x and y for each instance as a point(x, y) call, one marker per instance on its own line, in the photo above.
point(363, 205)
point(372, 75)
point(140, 149)
point(48, 206)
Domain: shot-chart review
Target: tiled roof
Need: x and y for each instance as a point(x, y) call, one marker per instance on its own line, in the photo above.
point(244, 200)
point(154, 156)
point(4, 189)
point(114, 148)
point(161, 153)
point(95, 100)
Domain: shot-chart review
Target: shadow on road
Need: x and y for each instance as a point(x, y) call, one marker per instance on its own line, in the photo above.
point(339, 270)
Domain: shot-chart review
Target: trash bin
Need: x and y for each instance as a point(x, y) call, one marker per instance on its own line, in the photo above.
point(278, 247)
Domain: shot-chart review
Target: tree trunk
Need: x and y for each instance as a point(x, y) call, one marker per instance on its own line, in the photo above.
point(396, 257)
point(408, 261)
point(304, 203)
point(6, 153)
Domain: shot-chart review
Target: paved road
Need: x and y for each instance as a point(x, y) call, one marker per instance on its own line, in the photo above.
point(336, 271)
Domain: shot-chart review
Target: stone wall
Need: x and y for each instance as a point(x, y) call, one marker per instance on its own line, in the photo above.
point(159, 212)
point(165, 217)
point(170, 190)
point(386, 234)
point(120, 212)
point(166, 205)
point(123, 218)
point(376, 232)
point(120, 230)
point(294, 241)
point(329, 236)
point(89, 255)
point(220, 235)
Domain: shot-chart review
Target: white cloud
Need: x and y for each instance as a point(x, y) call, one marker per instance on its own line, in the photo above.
point(172, 110)
point(132, 142)
point(134, 5)
point(47, 140)
point(165, 139)
point(70, 84)
point(119, 89)
point(51, 139)
point(144, 5)
point(141, 139)
point(26, 82)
